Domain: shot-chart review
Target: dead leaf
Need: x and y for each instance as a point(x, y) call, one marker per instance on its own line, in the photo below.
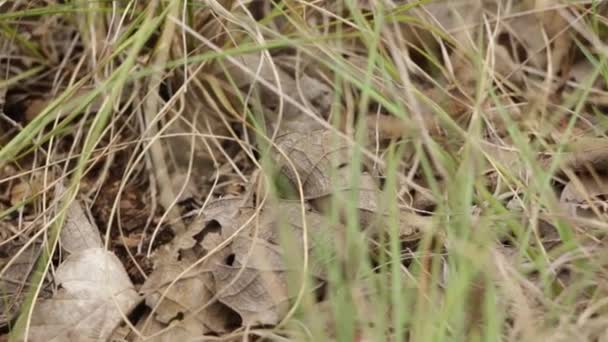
point(583, 196)
point(190, 297)
point(504, 162)
point(314, 155)
point(252, 277)
point(26, 189)
point(219, 214)
point(78, 233)
point(93, 294)
point(248, 276)
point(93, 291)
point(583, 154)
point(188, 329)
point(369, 197)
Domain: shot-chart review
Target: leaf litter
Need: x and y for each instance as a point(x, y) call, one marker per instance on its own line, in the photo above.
point(239, 263)
point(92, 291)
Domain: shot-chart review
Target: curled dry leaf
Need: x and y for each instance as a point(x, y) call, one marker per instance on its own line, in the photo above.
point(94, 294)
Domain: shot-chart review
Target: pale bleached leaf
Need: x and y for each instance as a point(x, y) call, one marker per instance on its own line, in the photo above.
point(78, 233)
point(93, 295)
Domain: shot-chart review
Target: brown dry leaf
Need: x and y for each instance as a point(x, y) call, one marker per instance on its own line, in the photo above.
point(94, 294)
point(584, 154)
point(188, 329)
point(217, 214)
point(582, 196)
point(314, 154)
point(252, 277)
point(247, 277)
point(322, 163)
point(26, 189)
point(190, 297)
